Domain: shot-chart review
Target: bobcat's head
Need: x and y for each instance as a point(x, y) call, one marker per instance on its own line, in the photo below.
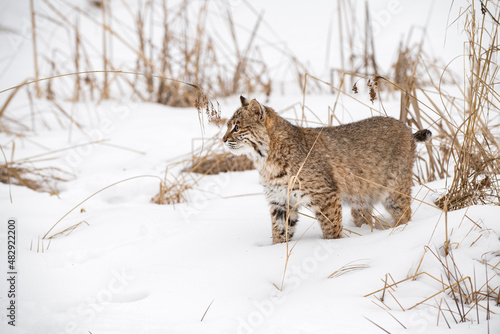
point(246, 132)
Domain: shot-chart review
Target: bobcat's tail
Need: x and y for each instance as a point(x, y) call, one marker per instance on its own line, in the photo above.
point(422, 135)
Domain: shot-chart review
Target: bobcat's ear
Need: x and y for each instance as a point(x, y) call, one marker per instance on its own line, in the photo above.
point(244, 101)
point(258, 109)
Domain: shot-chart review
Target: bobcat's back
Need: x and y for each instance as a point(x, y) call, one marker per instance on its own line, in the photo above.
point(370, 155)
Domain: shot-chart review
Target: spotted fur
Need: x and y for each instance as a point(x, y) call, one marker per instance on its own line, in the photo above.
point(361, 164)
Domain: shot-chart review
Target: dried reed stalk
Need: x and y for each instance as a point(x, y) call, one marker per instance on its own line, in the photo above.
point(105, 86)
point(35, 53)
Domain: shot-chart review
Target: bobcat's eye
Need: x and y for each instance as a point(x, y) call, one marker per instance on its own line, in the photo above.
point(236, 128)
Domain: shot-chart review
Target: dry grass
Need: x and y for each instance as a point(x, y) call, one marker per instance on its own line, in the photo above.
point(168, 43)
point(23, 173)
point(347, 268)
point(467, 298)
point(38, 179)
point(220, 163)
point(477, 154)
point(173, 192)
point(458, 297)
point(68, 230)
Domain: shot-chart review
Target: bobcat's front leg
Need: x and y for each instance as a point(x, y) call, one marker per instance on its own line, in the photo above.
point(283, 216)
point(284, 222)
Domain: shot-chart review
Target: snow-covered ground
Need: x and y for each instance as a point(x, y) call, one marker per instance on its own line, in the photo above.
point(208, 265)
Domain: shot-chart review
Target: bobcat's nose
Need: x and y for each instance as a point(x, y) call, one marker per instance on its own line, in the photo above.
point(224, 139)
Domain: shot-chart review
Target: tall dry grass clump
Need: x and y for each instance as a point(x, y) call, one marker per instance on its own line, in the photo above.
point(475, 179)
point(157, 41)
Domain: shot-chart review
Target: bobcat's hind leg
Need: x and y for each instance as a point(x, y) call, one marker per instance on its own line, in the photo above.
point(281, 217)
point(329, 215)
point(362, 215)
point(399, 206)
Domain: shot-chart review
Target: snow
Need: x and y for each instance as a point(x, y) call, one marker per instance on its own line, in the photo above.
point(208, 265)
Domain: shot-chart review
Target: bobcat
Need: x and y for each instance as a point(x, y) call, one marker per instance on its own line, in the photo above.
point(360, 163)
